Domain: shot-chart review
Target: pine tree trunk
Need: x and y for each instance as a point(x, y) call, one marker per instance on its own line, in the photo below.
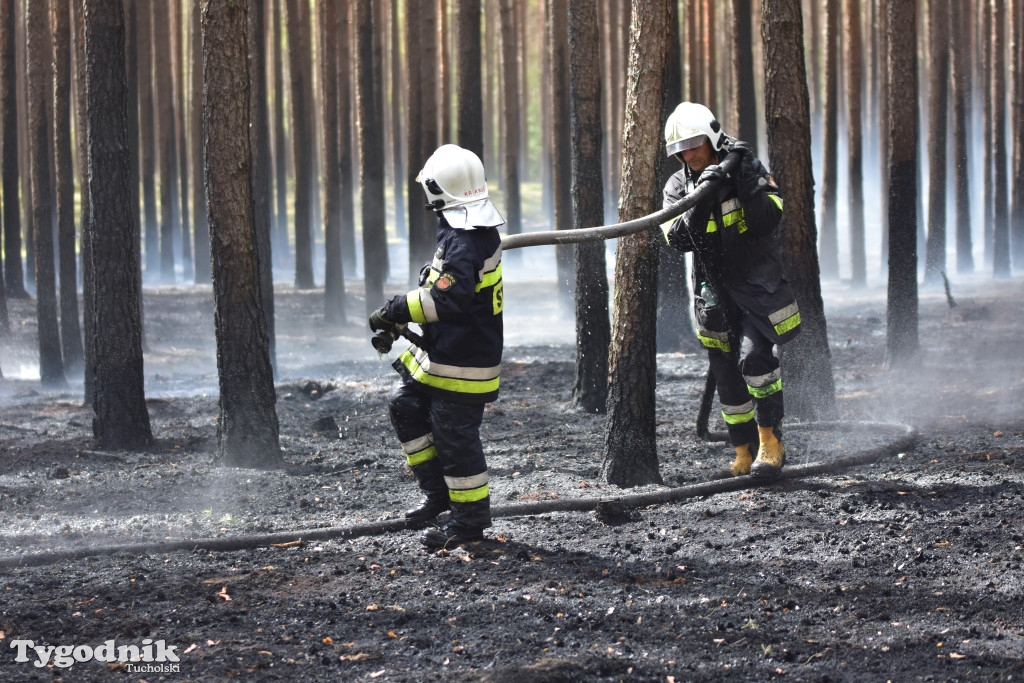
point(593, 332)
point(70, 330)
point(248, 428)
point(631, 456)
point(119, 401)
point(40, 88)
point(901, 313)
point(806, 361)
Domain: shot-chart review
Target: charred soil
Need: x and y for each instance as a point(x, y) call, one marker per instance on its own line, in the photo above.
point(905, 568)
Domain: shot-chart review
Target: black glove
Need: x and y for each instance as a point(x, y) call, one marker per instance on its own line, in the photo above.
point(747, 181)
point(424, 275)
point(379, 320)
point(711, 173)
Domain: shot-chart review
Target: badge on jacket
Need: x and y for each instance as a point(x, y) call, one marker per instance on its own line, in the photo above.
point(444, 282)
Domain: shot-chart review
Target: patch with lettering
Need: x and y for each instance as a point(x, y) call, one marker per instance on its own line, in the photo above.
point(444, 282)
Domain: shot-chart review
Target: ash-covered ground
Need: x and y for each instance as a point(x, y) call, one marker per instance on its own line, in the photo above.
point(904, 569)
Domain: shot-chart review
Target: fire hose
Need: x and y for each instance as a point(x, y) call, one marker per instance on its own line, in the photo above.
point(902, 438)
point(607, 232)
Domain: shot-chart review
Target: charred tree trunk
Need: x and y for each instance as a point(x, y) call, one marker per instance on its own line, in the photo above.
point(119, 400)
point(334, 279)
point(419, 239)
point(346, 146)
point(398, 162)
point(1000, 192)
point(468, 86)
point(282, 250)
point(1017, 116)
point(371, 156)
point(631, 456)
point(247, 428)
point(510, 120)
point(743, 98)
point(829, 249)
point(70, 329)
point(40, 87)
point(81, 124)
point(259, 141)
point(13, 271)
point(938, 102)
point(901, 346)
point(302, 145)
point(561, 145)
point(854, 138)
point(147, 140)
point(593, 331)
point(806, 360)
point(181, 139)
point(961, 80)
point(201, 225)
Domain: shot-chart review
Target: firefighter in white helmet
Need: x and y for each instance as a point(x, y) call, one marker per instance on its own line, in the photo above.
point(450, 374)
point(740, 291)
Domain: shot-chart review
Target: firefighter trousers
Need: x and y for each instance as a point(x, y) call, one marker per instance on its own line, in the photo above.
point(749, 383)
point(440, 436)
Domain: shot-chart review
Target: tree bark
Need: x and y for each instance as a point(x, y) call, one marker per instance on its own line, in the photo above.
point(13, 271)
point(854, 140)
point(302, 144)
point(40, 87)
point(415, 67)
point(561, 145)
point(259, 141)
point(70, 329)
point(593, 331)
point(1000, 191)
point(201, 225)
point(178, 42)
point(247, 428)
point(119, 401)
point(961, 80)
point(901, 346)
point(510, 119)
point(743, 97)
point(334, 278)
point(371, 156)
point(468, 85)
point(147, 128)
point(938, 103)
point(829, 248)
point(631, 456)
point(806, 361)
point(346, 144)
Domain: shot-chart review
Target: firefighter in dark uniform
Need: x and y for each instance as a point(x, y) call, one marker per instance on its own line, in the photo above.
point(447, 379)
point(743, 304)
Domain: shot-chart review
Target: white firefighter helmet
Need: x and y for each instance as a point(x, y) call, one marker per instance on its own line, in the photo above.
point(688, 126)
point(453, 180)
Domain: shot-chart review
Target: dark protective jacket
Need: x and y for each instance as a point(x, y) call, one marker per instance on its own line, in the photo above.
point(734, 240)
point(459, 308)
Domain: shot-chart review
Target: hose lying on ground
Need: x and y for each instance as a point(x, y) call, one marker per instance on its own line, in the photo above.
point(904, 438)
point(607, 232)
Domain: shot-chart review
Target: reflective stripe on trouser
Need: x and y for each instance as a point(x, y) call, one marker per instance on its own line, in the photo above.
point(455, 430)
point(763, 377)
point(737, 407)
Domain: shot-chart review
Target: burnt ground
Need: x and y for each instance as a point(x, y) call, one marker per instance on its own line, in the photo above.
point(908, 568)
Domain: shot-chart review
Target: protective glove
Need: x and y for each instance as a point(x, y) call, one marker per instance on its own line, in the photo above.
point(747, 180)
point(711, 173)
point(379, 321)
point(424, 275)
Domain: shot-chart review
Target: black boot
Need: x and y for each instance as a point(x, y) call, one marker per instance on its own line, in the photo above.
point(451, 535)
point(435, 501)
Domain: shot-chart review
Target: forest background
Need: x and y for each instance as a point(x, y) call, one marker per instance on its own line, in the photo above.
point(344, 100)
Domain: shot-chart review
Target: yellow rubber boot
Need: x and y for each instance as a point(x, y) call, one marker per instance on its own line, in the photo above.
point(741, 465)
point(771, 455)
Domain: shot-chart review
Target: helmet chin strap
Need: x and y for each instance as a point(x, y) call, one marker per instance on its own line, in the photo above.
point(436, 205)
